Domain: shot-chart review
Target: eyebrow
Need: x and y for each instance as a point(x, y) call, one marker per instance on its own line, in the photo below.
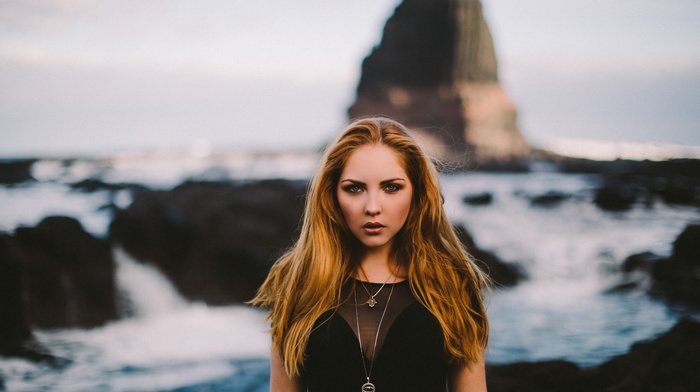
point(380, 183)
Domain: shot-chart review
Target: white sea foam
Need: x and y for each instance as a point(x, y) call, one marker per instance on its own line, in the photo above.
point(170, 343)
point(27, 205)
point(568, 252)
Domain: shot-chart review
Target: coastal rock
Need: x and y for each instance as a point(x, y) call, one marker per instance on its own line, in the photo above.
point(675, 278)
point(549, 199)
point(666, 363)
point(546, 376)
point(54, 275)
point(626, 182)
point(615, 197)
point(503, 274)
point(68, 275)
point(435, 70)
point(686, 248)
point(478, 199)
point(14, 328)
point(678, 277)
point(16, 171)
point(214, 240)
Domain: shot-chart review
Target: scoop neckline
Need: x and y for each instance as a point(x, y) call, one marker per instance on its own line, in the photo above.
point(378, 284)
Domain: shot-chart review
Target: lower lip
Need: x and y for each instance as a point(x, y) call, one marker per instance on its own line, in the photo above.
point(373, 230)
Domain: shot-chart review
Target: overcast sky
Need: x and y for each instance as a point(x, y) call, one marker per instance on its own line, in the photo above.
point(82, 77)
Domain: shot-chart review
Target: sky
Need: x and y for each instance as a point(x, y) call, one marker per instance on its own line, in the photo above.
point(87, 77)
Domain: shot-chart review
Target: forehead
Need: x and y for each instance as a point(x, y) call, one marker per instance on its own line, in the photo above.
point(374, 160)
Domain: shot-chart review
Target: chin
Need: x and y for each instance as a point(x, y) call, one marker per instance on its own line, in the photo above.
point(374, 243)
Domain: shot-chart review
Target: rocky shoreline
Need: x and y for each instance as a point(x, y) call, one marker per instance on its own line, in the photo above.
point(216, 240)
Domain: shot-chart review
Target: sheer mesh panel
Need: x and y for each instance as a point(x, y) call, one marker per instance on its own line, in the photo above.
point(369, 317)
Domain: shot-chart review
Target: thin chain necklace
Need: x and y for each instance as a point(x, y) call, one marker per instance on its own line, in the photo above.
point(368, 386)
point(372, 300)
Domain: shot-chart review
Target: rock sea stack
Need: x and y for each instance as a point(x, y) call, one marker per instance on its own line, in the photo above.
point(435, 71)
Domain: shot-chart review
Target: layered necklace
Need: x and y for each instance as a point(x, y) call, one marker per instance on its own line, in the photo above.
point(368, 386)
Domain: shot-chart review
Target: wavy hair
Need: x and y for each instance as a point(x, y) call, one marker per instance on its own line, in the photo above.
point(306, 281)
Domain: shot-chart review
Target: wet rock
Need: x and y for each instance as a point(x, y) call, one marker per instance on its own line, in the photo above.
point(666, 363)
point(636, 270)
point(615, 197)
point(14, 328)
point(16, 171)
point(503, 274)
point(675, 278)
point(675, 181)
point(549, 199)
point(546, 376)
point(69, 275)
point(686, 248)
point(54, 275)
point(678, 277)
point(214, 240)
point(479, 199)
point(640, 262)
point(95, 184)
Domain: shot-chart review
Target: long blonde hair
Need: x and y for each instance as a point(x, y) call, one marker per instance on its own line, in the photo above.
point(307, 280)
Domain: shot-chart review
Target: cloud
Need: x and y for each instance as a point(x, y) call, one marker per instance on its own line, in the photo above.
point(35, 16)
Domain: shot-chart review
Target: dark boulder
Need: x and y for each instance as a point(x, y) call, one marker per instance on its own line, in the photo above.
point(675, 278)
point(69, 275)
point(686, 248)
point(503, 274)
point(16, 171)
point(640, 262)
point(214, 240)
point(95, 184)
point(618, 197)
point(549, 199)
point(636, 270)
point(546, 376)
point(478, 199)
point(54, 275)
point(14, 328)
point(667, 363)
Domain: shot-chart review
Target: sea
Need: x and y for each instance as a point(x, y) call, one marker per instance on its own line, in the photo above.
point(570, 251)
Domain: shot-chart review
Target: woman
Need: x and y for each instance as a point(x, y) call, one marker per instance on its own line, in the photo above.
point(378, 293)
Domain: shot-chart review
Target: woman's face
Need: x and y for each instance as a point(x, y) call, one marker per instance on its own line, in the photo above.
point(374, 193)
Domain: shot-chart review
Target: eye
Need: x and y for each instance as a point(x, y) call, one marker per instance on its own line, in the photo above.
point(352, 188)
point(391, 188)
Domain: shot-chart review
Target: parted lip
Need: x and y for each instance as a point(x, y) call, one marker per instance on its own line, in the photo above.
point(372, 225)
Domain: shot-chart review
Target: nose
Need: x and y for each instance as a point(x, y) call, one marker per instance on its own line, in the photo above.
point(372, 205)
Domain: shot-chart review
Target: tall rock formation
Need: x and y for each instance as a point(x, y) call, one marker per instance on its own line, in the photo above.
point(435, 70)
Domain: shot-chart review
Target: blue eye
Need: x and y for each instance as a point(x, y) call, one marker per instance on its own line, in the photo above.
point(391, 188)
point(353, 189)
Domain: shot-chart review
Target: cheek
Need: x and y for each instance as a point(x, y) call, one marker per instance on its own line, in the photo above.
point(346, 207)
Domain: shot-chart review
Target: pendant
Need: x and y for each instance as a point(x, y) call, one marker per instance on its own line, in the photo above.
point(372, 302)
point(368, 387)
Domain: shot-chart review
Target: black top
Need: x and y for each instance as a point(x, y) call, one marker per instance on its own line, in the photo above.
point(409, 349)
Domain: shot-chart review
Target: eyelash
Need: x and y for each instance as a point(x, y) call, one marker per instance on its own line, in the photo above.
point(352, 188)
point(390, 188)
point(395, 187)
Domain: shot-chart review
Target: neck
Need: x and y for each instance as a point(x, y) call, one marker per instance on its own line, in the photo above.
point(377, 268)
